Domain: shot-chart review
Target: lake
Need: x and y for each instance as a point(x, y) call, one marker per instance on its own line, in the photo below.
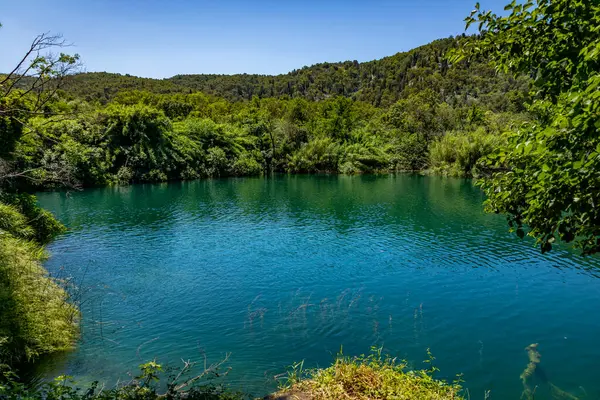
point(292, 268)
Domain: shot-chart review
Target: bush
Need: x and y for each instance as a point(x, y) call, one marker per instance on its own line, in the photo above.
point(246, 165)
point(318, 155)
point(14, 223)
point(36, 317)
point(368, 378)
point(457, 153)
point(45, 227)
point(359, 158)
point(408, 152)
point(124, 176)
point(216, 162)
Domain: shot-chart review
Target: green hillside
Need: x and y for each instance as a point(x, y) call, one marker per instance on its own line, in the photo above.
point(380, 82)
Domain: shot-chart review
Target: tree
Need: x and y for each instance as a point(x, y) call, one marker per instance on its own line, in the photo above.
point(35, 314)
point(27, 91)
point(547, 178)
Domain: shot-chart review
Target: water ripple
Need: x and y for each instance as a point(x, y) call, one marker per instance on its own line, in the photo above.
point(293, 268)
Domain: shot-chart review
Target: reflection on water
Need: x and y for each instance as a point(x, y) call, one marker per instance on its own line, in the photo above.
point(292, 268)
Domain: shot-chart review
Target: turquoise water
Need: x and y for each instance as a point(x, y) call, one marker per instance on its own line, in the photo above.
point(279, 270)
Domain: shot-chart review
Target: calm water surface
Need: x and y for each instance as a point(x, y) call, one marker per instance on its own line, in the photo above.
point(293, 268)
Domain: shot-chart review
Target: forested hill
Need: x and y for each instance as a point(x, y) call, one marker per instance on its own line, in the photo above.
point(380, 82)
point(407, 112)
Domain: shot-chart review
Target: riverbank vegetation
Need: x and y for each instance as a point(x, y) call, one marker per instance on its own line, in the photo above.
point(37, 316)
point(369, 377)
point(546, 178)
point(410, 112)
point(372, 377)
point(153, 382)
point(458, 106)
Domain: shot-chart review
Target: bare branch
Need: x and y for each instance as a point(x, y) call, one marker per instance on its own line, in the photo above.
point(41, 42)
point(213, 368)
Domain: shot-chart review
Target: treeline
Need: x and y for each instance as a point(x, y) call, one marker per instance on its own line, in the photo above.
point(380, 83)
point(408, 112)
point(146, 137)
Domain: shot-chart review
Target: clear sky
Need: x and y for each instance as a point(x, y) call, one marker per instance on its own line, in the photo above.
point(160, 39)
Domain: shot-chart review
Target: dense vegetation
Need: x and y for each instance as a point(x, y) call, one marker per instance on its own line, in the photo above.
point(37, 316)
point(358, 378)
point(142, 137)
point(365, 378)
point(380, 83)
point(547, 176)
point(409, 112)
point(412, 111)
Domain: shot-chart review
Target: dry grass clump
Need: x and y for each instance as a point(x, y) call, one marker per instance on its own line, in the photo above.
point(370, 377)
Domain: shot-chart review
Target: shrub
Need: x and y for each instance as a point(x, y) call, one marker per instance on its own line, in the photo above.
point(36, 317)
point(124, 176)
point(408, 152)
point(246, 165)
point(14, 223)
point(357, 158)
point(45, 227)
point(457, 153)
point(216, 162)
point(368, 378)
point(318, 155)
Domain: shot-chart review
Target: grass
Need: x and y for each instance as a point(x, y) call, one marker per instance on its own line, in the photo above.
point(36, 316)
point(372, 377)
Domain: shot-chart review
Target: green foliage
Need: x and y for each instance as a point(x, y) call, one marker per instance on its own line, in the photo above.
point(547, 177)
point(14, 223)
point(380, 83)
point(41, 225)
point(338, 118)
point(37, 317)
point(246, 165)
point(457, 153)
point(148, 385)
point(137, 142)
point(318, 155)
point(409, 151)
point(369, 377)
point(10, 126)
point(136, 138)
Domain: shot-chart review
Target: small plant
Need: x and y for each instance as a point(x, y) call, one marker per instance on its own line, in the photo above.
point(369, 377)
point(294, 375)
point(183, 383)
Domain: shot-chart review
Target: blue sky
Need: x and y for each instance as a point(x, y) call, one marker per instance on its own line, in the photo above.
point(163, 38)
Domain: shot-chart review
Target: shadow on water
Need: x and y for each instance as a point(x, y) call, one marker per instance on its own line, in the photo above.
point(36, 372)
